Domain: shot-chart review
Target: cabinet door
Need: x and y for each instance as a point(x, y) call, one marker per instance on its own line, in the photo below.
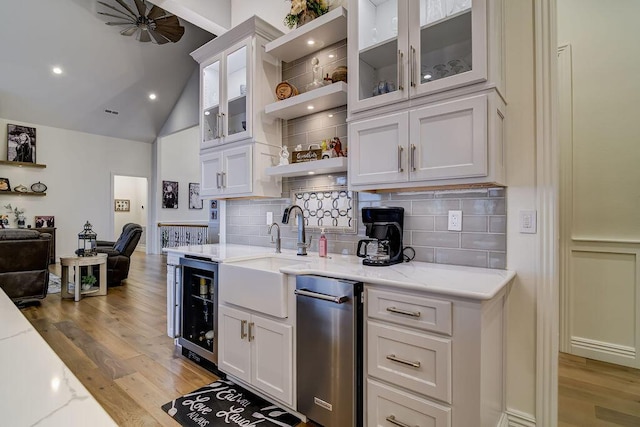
point(234, 355)
point(447, 44)
point(377, 150)
point(237, 177)
point(272, 358)
point(210, 97)
point(378, 41)
point(449, 140)
point(237, 121)
point(211, 168)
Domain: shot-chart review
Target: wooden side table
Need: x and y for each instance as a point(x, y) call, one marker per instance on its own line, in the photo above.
point(99, 260)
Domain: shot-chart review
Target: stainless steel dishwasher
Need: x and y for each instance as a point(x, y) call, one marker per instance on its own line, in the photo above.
point(329, 350)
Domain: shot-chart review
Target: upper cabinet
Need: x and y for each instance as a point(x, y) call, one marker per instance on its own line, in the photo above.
point(237, 79)
point(402, 49)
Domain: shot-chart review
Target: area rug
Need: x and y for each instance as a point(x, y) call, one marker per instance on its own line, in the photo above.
point(224, 403)
point(54, 284)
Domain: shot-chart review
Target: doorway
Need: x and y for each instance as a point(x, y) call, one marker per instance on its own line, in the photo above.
point(130, 201)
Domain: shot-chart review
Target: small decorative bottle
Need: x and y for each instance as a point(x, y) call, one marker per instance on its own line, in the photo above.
point(203, 287)
point(322, 244)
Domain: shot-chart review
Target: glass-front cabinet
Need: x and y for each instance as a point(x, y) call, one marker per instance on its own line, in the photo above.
point(407, 48)
point(224, 97)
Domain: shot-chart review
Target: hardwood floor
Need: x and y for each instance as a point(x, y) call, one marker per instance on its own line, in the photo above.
point(117, 345)
point(593, 393)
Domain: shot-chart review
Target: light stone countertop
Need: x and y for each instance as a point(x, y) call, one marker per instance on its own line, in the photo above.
point(37, 388)
point(466, 282)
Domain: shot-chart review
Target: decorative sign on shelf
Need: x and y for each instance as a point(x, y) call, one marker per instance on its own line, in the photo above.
point(333, 209)
point(306, 155)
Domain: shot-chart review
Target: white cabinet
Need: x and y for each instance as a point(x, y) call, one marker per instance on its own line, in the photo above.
point(173, 295)
point(239, 171)
point(237, 79)
point(257, 350)
point(454, 142)
point(432, 360)
point(399, 49)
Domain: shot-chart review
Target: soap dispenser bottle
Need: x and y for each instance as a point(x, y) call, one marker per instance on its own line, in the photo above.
point(322, 244)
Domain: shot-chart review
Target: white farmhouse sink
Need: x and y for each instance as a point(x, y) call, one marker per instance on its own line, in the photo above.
point(256, 284)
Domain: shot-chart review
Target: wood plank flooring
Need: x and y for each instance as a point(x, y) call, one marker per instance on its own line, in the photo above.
point(595, 394)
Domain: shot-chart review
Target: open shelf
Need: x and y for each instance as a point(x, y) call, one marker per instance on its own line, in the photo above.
point(332, 165)
point(22, 164)
point(323, 98)
point(17, 193)
point(324, 30)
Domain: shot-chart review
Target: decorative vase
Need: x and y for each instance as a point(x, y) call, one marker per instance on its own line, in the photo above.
point(21, 222)
point(305, 17)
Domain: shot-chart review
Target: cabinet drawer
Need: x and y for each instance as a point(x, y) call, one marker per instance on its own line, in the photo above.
point(414, 360)
point(405, 309)
point(386, 403)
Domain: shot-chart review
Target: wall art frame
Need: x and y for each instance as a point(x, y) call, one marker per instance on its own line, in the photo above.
point(122, 205)
point(170, 194)
point(333, 209)
point(195, 202)
point(5, 185)
point(42, 221)
point(21, 143)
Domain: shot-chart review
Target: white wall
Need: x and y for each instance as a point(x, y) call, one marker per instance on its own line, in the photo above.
point(178, 160)
point(78, 177)
point(271, 11)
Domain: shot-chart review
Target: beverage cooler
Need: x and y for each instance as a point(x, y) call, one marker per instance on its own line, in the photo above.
point(199, 314)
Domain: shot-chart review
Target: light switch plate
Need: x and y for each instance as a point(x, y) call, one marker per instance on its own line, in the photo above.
point(455, 221)
point(528, 222)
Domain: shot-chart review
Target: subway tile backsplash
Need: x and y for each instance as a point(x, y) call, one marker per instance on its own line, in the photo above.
point(481, 243)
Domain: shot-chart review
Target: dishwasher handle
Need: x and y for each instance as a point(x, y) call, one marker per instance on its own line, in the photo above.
point(325, 297)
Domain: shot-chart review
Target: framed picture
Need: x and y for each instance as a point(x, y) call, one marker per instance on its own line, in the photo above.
point(122, 205)
point(214, 215)
point(45, 221)
point(194, 196)
point(214, 204)
point(21, 144)
point(4, 184)
point(170, 194)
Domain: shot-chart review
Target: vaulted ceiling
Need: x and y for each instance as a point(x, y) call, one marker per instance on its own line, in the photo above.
point(101, 69)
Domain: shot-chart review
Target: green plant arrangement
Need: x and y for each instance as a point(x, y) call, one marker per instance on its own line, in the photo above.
point(303, 11)
point(88, 281)
point(18, 213)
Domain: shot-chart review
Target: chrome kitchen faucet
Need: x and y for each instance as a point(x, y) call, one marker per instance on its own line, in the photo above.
point(278, 241)
point(302, 244)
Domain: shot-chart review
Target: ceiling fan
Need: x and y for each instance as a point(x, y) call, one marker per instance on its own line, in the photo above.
point(156, 25)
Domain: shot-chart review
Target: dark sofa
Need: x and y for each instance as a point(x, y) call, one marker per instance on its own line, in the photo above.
point(24, 264)
point(119, 253)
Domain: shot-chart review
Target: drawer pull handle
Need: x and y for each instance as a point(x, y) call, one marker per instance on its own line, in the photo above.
point(251, 337)
point(400, 148)
point(405, 312)
point(393, 358)
point(400, 70)
point(392, 420)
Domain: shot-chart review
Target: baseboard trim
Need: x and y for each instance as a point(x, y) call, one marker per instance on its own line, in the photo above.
point(603, 347)
point(518, 419)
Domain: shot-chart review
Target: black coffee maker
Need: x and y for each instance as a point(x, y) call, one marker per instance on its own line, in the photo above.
point(384, 226)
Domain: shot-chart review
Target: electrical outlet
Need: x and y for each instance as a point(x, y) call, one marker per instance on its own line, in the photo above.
point(455, 221)
point(269, 218)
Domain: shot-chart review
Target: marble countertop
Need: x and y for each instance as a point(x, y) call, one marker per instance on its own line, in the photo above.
point(37, 388)
point(467, 282)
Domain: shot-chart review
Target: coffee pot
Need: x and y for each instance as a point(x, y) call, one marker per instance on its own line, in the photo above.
point(383, 226)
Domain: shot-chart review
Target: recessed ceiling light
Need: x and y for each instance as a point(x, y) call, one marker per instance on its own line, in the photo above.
point(206, 113)
point(427, 76)
point(330, 115)
point(309, 107)
point(311, 42)
point(332, 56)
point(311, 173)
point(56, 70)
point(152, 96)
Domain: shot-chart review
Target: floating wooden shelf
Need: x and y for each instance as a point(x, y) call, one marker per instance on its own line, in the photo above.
point(332, 165)
point(22, 164)
point(323, 98)
point(17, 193)
point(324, 31)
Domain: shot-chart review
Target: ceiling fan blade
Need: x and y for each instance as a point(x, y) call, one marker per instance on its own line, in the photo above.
point(172, 33)
point(142, 7)
point(118, 23)
point(126, 6)
point(144, 36)
point(156, 12)
point(129, 31)
point(119, 11)
point(159, 38)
